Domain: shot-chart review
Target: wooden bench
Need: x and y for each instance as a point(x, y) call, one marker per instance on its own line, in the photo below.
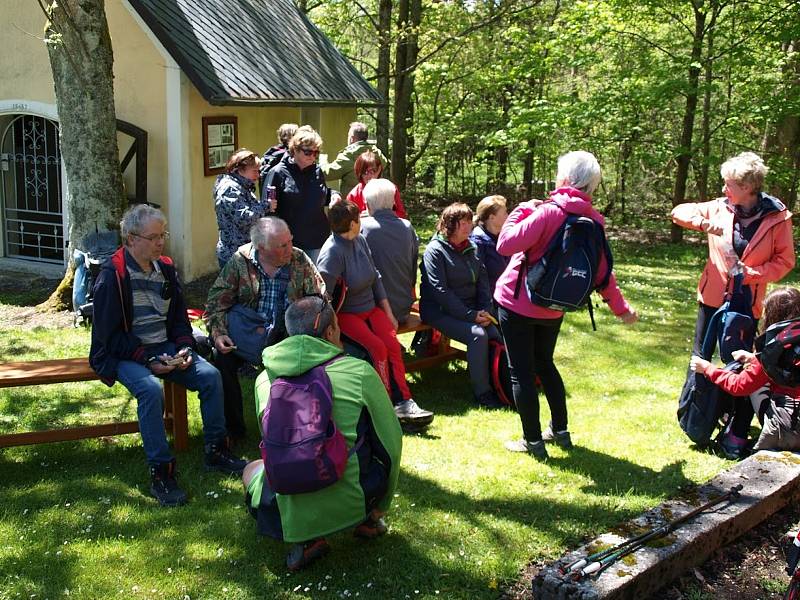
point(445, 353)
point(44, 372)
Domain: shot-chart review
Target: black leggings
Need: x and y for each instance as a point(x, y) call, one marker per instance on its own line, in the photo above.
point(530, 344)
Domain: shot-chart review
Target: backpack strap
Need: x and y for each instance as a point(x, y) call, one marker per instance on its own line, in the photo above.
point(523, 268)
point(359, 441)
point(712, 329)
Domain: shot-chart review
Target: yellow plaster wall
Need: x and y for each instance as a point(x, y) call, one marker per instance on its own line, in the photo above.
point(24, 64)
point(257, 126)
point(140, 95)
point(139, 85)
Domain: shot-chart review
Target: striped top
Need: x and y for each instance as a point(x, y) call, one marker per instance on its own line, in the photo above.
point(149, 305)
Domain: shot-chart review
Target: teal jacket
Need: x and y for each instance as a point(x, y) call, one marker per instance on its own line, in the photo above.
point(357, 389)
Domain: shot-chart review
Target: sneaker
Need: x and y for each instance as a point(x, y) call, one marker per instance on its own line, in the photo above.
point(303, 554)
point(733, 447)
point(490, 401)
point(535, 449)
point(164, 486)
point(371, 528)
point(409, 413)
point(219, 458)
point(560, 438)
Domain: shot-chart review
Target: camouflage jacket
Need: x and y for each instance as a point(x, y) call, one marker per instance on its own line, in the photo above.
point(238, 283)
point(342, 167)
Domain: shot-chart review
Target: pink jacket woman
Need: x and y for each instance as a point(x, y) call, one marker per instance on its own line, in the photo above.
point(522, 234)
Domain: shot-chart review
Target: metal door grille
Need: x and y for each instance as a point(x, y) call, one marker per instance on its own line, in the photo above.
point(30, 165)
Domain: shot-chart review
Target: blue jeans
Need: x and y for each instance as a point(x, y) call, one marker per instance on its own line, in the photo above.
point(200, 377)
point(477, 339)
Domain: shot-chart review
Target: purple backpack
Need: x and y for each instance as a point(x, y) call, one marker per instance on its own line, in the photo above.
point(303, 451)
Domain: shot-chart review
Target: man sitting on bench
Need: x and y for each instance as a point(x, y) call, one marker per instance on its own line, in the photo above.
point(141, 333)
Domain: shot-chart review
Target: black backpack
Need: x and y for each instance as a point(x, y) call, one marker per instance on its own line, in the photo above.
point(564, 277)
point(779, 352)
point(702, 404)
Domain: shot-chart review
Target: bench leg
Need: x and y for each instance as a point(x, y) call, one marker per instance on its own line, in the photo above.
point(175, 408)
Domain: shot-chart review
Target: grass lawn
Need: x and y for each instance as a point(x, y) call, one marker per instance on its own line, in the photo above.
point(76, 519)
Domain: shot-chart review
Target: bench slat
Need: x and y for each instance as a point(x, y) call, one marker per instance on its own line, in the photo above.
point(68, 370)
point(39, 372)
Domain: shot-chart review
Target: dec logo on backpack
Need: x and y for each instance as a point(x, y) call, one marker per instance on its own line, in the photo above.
point(302, 448)
point(564, 277)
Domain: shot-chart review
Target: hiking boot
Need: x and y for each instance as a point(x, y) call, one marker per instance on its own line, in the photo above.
point(164, 486)
point(371, 528)
point(490, 401)
point(219, 458)
point(535, 449)
point(409, 413)
point(303, 554)
point(560, 438)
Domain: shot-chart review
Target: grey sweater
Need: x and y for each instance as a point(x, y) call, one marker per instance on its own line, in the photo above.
point(395, 248)
point(351, 260)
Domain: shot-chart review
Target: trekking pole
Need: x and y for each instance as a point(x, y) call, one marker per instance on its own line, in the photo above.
point(623, 549)
point(580, 563)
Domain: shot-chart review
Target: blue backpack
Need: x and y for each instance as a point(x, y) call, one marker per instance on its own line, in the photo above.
point(732, 326)
point(564, 277)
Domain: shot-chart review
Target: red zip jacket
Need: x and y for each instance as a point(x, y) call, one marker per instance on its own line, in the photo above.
point(752, 377)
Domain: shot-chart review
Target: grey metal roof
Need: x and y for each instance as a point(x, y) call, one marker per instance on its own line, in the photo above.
point(254, 52)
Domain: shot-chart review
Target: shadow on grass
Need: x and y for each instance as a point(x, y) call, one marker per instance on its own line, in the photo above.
point(208, 544)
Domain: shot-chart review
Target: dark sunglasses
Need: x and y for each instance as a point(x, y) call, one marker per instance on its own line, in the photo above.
point(309, 152)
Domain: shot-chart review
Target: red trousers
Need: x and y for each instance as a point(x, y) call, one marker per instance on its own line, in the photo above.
point(373, 330)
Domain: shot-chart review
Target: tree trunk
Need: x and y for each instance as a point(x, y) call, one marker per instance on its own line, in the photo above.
point(408, 20)
point(684, 156)
point(783, 144)
point(527, 171)
point(384, 64)
point(702, 176)
point(82, 60)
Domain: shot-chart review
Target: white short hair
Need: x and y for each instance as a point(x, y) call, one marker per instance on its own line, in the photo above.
point(580, 170)
point(745, 168)
point(265, 229)
point(379, 194)
point(137, 217)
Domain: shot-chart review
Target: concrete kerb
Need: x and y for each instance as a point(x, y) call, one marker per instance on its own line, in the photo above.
point(770, 481)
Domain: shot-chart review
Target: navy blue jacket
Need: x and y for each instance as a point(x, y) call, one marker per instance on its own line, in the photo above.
point(494, 262)
point(302, 197)
point(112, 340)
point(451, 283)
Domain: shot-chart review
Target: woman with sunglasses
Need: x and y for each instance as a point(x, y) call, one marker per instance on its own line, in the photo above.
point(236, 203)
point(299, 193)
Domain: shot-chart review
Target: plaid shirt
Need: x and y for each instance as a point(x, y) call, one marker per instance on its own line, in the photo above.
point(272, 298)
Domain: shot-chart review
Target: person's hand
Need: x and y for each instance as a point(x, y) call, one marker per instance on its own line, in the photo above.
point(224, 344)
point(483, 318)
point(743, 356)
point(630, 317)
point(698, 365)
point(712, 228)
point(335, 197)
point(186, 354)
point(159, 368)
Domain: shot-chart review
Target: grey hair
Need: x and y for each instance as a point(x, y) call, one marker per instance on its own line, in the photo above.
point(358, 131)
point(265, 229)
point(285, 132)
point(136, 217)
point(746, 168)
point(301, 315)
point(379, 194)
point(580, 170)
